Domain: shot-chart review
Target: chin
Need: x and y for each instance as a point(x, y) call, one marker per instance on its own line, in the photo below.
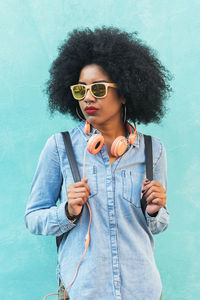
point(92, 122)
point(92, 119)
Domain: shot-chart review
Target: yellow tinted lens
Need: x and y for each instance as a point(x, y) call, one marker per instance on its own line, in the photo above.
point(99, 89)
point(79, 92)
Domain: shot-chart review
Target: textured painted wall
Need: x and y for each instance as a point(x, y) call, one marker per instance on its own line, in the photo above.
point(30, 33)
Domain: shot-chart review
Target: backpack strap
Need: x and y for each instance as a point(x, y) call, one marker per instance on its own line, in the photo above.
point(149, 166)
point(73, 167)
point(71, 156)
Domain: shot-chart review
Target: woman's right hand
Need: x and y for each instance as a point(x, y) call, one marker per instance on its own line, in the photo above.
point(77, 195)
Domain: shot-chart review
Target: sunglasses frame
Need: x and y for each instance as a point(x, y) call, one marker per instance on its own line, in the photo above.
point(88, 87)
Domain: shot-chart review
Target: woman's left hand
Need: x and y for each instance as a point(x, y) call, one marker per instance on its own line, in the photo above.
point(155, 195)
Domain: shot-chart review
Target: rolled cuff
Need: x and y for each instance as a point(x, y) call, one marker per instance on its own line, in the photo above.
point(64, 223)
point(158, 223)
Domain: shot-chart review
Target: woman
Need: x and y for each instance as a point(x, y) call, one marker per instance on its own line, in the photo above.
point(104, 77)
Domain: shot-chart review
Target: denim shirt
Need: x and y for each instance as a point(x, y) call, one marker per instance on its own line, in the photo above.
point(119, 263)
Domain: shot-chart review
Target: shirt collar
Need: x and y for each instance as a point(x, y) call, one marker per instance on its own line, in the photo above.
point(137, 140)
point(86, 136)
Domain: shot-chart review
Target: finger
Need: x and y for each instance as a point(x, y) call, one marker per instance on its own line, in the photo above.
point(78, 184)
point(144, 182)
point(81, 195)
point(87, 187)
point(80, 190)
point(159, 201)
point(153, 189)
point(155, 195)
point(76, 202)
point(153, 183)
point(85, 180)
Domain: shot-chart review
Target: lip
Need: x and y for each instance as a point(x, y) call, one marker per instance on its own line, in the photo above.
point(91, 109)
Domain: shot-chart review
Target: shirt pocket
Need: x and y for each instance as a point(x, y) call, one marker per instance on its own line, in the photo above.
point(90, 173)
point(131, 186)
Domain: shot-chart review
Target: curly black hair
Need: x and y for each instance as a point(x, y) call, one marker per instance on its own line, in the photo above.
point(141, 78)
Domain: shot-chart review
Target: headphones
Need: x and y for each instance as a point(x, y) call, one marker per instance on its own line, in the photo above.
point(119, 145)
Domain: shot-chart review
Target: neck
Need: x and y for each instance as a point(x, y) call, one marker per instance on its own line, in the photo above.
point(112, 130)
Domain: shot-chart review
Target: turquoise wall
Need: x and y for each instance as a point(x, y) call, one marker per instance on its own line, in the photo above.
point(30, 33)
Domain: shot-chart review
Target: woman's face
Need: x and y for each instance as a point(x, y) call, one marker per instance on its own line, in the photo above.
point(108, 108)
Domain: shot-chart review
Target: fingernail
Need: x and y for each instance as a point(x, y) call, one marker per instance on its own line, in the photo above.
point(146, 180)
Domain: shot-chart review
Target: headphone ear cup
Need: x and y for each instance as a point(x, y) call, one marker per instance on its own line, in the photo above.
point(119, 146)
point(132, 133)
point(87, 128)
point(95, 143)
point(131, 138)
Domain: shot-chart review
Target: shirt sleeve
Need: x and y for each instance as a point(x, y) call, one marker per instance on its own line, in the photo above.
point(42, 215)
point(160, 222)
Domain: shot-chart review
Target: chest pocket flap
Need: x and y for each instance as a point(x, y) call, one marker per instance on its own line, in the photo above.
point(131, 186)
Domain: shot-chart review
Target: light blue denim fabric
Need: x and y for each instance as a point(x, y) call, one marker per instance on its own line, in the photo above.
point(119, 263)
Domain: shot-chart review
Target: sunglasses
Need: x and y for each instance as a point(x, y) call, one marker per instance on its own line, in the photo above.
point(98, 90)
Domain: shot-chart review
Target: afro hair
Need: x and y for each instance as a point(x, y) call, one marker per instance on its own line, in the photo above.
point(140, 77)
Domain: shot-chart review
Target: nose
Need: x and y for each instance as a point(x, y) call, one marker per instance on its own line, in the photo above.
point(89, 97)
